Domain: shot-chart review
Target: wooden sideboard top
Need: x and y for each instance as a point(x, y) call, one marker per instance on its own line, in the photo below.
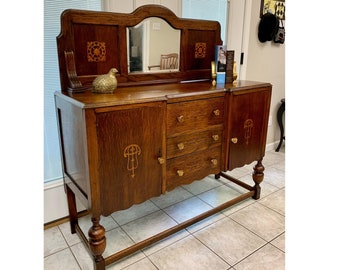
point(159, 92)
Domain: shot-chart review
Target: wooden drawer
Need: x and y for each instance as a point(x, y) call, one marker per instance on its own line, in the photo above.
point(189, 143)
point(186, 169)
point(189, 116)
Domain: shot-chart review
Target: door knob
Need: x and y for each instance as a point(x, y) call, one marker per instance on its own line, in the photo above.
point(216, 112)
point(234, 140)
point(180, 146)
point(180, 119)
point(215, 137)
point(214, 161)
point(180, 172)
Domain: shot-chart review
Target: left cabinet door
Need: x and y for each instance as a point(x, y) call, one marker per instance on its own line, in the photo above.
point(130, 141)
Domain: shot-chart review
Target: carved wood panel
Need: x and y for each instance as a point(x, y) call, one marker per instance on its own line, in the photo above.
point(129, 169)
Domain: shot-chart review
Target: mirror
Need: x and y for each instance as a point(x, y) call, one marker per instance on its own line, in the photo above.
point(153, 46)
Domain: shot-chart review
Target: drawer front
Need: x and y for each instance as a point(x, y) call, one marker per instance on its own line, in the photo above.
point(189, 143)
point(194, 115)
point(186, 169)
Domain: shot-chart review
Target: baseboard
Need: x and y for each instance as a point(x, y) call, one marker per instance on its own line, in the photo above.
point(271, 146)
point(55, 202)
point(63, 220)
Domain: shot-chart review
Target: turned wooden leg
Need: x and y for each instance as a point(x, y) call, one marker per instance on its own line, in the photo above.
point(72, 209)
point(97, 243)
point(258, 178)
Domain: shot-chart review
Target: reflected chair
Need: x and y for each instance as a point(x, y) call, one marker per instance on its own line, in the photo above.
point(168, 61)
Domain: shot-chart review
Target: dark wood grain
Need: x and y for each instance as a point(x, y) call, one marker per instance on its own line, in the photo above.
point(154, 132)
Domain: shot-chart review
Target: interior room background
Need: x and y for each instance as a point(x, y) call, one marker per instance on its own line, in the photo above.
point(239, 23)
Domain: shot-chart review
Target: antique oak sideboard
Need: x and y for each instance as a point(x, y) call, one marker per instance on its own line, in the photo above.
point(158, 130)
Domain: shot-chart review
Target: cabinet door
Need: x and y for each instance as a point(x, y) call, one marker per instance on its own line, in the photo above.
point(247, 127)
point(130, 140)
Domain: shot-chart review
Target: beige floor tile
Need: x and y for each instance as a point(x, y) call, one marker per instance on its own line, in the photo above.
point(60, 261)
point(266, 258)
point(165, 242)
point(144, 264)
point(272, 157)
point(134, 212)
point(82, 256)
point(187, 209)
point(205, 222)
point(116, 240)
point(148, 226)
point(172, 197)
point(219, 195)
point(203, 185)
point(275, 177)
point(238, 206)
point(229, 240)
point(261, 220)
point(280, 242)
point(70, 238)
point(85, 223)
point(240, 172)
point(275, 201)
point(128, 260)
point(280, 165)
point(53, 241)
point(188, 254)
point(266, 188)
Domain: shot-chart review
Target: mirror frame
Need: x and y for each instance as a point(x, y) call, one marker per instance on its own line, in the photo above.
point(81, 59)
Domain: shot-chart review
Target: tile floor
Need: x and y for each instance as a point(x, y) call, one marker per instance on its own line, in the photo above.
point(249, 235)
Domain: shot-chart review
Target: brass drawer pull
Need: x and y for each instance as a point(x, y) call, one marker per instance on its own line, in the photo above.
point(180, 172)
point(214, 161)
point(234, 140)
point(161, 160)
point(180, 119)
point(216, 112)
point(215, 137)
point(180, 146)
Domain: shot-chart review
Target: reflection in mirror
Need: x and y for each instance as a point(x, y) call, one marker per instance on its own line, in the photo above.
point(154, 46)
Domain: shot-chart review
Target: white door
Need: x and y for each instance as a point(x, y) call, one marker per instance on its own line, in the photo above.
point(235, 32)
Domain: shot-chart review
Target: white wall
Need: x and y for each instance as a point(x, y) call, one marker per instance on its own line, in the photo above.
point(264, 62)
point(55, 201)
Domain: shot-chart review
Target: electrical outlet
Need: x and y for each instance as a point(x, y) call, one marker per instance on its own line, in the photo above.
point(270, 120)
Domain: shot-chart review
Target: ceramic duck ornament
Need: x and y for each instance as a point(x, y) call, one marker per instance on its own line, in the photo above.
point(105, 83)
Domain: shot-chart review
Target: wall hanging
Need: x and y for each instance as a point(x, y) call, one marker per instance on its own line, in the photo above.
point(268, 27)
point(276, 7)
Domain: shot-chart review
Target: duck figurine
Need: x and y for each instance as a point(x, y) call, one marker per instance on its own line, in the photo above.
point(106, 83)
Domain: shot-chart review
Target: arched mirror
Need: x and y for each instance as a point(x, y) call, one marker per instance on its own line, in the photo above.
point(153, 46)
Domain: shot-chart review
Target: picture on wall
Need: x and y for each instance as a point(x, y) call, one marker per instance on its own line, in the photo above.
point(276, 7)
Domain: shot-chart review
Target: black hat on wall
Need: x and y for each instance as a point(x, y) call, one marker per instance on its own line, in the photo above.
point(268, 27)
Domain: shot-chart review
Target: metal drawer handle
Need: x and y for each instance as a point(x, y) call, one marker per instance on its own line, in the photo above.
point(234, 140)
point(180, 172)
point(215, 137)
point(180, 119)
point(216, 112)
point(161, 160)
point(214, 161)
point(180, 146)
